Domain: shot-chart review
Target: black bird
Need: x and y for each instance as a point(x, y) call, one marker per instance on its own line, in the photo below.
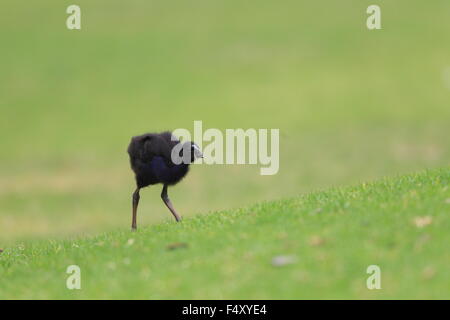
point(152, 162)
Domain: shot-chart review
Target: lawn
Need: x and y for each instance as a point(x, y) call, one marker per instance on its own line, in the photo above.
point(317, 245)
point(352, 106)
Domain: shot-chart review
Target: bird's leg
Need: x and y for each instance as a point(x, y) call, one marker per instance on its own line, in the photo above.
point(135, 206)
point(169, 205)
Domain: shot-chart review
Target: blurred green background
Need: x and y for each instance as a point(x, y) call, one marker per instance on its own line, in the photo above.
point(351, 104)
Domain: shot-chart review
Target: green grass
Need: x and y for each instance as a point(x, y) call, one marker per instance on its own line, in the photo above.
point(351, 104)
point(332, 236)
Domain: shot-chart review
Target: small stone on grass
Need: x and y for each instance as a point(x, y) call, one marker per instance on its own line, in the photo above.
point(280, 261)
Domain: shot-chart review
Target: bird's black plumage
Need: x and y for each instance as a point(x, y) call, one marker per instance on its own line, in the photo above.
point(150, 158)
point(151, 161)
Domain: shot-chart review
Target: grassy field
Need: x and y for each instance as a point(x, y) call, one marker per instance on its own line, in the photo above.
point(352, 105)
point(323, 242)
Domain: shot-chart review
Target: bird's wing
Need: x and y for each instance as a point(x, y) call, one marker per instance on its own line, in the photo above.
point(169, 138)
point(158, 145)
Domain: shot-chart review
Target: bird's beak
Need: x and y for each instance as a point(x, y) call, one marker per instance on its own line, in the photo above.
point(197, 152)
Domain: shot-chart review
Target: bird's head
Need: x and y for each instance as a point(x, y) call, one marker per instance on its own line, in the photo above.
point(193, 149)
